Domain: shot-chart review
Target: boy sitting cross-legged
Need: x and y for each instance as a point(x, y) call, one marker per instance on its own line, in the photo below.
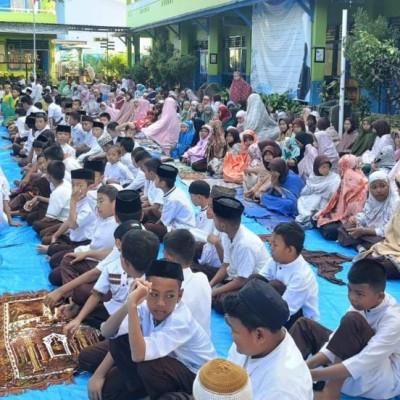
point(361, 358)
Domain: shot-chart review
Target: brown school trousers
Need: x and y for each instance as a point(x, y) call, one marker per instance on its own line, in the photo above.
point(128, 379)
point(350, 338)
point(46, 228)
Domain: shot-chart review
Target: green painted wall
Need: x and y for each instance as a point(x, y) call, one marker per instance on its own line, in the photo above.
point(46, 14)
point(160, 10)
point(318, 38)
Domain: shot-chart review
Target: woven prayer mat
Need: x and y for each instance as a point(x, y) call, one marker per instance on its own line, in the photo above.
point(34, 353)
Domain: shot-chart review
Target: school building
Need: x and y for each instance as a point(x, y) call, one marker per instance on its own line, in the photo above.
point(278, 45)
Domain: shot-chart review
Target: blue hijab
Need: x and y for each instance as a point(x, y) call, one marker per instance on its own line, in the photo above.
point(184, 141)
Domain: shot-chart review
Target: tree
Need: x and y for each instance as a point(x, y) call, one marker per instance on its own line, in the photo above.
point(115, 65)
point(140, 71)
point(374, 57)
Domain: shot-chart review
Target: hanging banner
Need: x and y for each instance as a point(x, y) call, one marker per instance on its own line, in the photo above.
point(281, 48)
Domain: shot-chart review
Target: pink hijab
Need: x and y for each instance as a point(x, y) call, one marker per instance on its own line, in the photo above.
point(127, 112)
point(142, 111)
point(165, 131)
point(198, 152)
point(114, 113)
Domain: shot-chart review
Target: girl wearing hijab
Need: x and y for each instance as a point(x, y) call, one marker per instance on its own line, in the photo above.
point(258, 119)
point(225, 116)
point(365, 139)
point(216, 149)
point(282, 195)
point(145, 121)
point(127, 110)
point(253, 168)
point(349, 137)
point(347, 201)
point(269, 150)
point(185, 139)
point(240, 90)
point(383, 138)
point(192, 109)
point(235, 165)
point(320, 187)
point(233, 141)
point(114, 113)
point(197, 124)
point(325, 143)
point(368, 226)
point(166, 130)
point(240, 118)
point(385, 160)
point(308, 153)
point(195, 156)
point(388, 250)
point(207, 113)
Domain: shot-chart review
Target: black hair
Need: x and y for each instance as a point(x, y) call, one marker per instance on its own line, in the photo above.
point(48, 99)
point(41, 155)
point(139, 248)
point(152, 164)
point(169, 182)
point(128, 144)
point(235, 134)
point(292, 234)
point(369, 271)
point(141, 156)
point(56, 169)
point(75, 115)
point(41, 115)
point(217, 97)
point(54, 153)
point(105, 115)
point(109, 191)
point(49, 135)
point(181, 244)
point(39, 105)
point(323, 123)
point(122, 217)
point(38, 144)
point(20, 112)
point(27, 100)
point(200, 187)
point(112, 126)
point(235, 308)
point(78, 100)
point(137, 150)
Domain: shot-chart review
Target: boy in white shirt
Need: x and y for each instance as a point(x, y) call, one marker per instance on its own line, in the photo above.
point(290, 274)
point(54, 112)
point(126, 146)
point(77, 132)
point(256, 315)
point(114, 279)
point(244, 252)
point(116, 171)
point(78, 277)
point(58, 208)
point(165, 346)
point(177, 211)
point(77, 230)
point(113, 131)
point(90, 146)
point(98, 167)
point(199, 194)
point(179, 247)
point(152, 198)
point(361, 358)
point(63, 137)
point(138, 156)
point(5, 211)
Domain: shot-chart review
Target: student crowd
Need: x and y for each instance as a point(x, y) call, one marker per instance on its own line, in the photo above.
point(99, 187)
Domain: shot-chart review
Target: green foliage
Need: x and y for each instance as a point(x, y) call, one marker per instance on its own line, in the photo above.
point(167, 68)
point(361, 108)
point(374, 56)
point(140, 71)
point(330, 91)
point(116, 65)
point(282, 102)
point(224, 93)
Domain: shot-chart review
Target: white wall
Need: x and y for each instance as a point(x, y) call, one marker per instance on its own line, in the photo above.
point(95, 12)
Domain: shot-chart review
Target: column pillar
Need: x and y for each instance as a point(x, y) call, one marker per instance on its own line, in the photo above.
point(215, 47)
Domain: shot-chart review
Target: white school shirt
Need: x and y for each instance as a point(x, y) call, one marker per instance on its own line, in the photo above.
point(177, 211)
point(102, 236)
point(92, 196)
point(54, 111)
point(4, 196)
point(68, 150)
point(281, 374)
point(154, 195)
point(245, 254)
point(91, 142)
point(301, 285)
point(179, 336)
point(126, 159)
point(21, 127)
point(114, 255)
point(197, 296)
point(77, 134)
point(118, 171)
point(85, 219)
point(32, 109)
point(59, 202)
point(202, 222)
point(375, 371)
point(209, 254)
point(138, 182)
point(113, 278)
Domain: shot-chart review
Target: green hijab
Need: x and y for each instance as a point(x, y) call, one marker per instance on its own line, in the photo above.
point(365, 139)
